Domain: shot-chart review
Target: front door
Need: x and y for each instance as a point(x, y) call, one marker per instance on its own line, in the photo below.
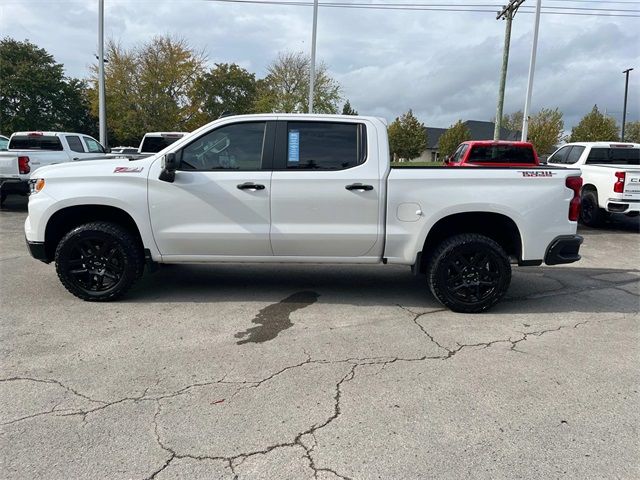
point(326, 190)
point(218, 204)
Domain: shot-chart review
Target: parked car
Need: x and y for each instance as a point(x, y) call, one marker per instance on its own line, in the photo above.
point(298, 188)
point(151, 143)
point(28, 151)
point(490, 153)
point(610, 174)
point(4, 141)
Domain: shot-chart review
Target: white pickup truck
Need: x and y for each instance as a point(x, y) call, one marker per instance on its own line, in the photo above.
point(28, 151)
point(151, 144)
point(300, 188)
point(610, 176)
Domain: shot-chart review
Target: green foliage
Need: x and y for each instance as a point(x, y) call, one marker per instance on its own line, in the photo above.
point(227, 88)
point(407, 137)
point(286, 87)
point(546, 130)
point(150, 88)
point(348, 110)
point(513, 121)
point(35, 94)
point(595, 127)
point(454, 136)
point(632, 132)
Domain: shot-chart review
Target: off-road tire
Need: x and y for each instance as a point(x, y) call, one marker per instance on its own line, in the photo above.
point(591, 214)
point(106, 249)
point(469, 273)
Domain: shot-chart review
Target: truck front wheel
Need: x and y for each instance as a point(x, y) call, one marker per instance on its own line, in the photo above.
point(469, 273)
point(99, 261)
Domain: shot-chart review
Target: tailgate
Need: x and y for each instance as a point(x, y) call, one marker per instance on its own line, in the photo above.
point(9, 165)
point(632, 185)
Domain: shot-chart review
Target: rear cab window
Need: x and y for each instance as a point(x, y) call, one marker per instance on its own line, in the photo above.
point(501, 154)
point(35, 142)
point(155, 144)
point(614, 156)
point(325, 145)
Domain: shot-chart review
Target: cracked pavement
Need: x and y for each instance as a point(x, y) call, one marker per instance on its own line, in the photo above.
point(341, 372)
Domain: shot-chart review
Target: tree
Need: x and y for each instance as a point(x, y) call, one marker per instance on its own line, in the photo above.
point(546, 130)
point(513, 121)
point(595, 127)
point(632, 132)
point(35, 94)
point(454, 136)
point(226, 88)
point(150, 88)
point(348, 110)
point(407, 137)
point(286, 86)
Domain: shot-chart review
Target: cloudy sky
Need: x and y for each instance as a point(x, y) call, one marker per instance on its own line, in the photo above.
point(443, 65)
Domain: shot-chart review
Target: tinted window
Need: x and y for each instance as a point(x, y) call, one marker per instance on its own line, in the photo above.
point(455, 158)
point(324, 145)
point(501, 154)
point(560, 156)
point(35, 142)
point(155, 144)
point(233, 147)
point(614, 156)
point(74, 143)
point(93, 146)
point(574, 154)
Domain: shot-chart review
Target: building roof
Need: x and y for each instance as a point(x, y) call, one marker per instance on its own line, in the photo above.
point(479, 131)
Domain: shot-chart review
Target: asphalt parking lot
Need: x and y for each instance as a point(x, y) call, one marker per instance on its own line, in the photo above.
point(321, 372)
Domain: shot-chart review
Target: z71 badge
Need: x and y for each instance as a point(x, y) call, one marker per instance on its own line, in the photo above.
point(537, 173)
point(128, 169)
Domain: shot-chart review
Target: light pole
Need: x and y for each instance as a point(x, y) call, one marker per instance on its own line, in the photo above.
point(312, 70)
point(626, 91)
point(532, 68)
point(102, 111)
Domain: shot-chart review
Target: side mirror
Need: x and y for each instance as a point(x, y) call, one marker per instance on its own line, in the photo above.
point(169, 166)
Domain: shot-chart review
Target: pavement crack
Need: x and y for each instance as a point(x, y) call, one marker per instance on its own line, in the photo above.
point(52, 381)
point(417, 315)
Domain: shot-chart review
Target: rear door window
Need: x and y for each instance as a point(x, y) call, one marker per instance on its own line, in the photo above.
point(574, 154)
point(325, 145)
point(74, 143)
point(35, 142)
point(614, 156)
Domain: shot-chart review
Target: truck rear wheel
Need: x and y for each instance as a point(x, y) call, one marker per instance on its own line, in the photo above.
point(591, 214)
point(469, 273)
point(99, 261)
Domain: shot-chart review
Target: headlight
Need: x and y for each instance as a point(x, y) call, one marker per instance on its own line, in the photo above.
point(36, 185)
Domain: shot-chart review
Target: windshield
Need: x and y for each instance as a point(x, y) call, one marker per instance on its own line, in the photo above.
point(155, 144)
point(501, 154)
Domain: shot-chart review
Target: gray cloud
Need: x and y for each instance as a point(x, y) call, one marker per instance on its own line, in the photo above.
point(443, 65)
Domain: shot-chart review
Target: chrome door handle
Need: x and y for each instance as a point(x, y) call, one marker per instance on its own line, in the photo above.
point(359, 186)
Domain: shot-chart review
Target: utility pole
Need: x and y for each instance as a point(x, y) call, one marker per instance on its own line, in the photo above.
point(532, 68)
point(626, 91)
point(507, 13)
point(312, 70)
point(102, 111)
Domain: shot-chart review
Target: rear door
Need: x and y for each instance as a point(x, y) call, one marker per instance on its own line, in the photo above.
point(218, 204)
point(326, 190)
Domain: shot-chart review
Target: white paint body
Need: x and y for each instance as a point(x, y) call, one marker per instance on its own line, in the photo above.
point(603, 178)
point(304, 216)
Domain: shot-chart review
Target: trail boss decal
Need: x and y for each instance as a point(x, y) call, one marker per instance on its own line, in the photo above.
point(537, 173)
point(128, 169)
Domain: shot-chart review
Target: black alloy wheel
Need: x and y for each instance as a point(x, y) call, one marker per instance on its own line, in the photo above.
point(98, 261)
point(469, 273)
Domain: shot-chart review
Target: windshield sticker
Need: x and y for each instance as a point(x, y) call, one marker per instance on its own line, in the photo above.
point(128, 169)
point(294, 146)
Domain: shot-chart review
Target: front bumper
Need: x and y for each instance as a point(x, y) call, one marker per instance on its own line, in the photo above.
point(563, 249)
point(37, 251)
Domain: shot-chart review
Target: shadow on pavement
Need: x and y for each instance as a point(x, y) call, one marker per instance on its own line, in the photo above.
point(533, 289)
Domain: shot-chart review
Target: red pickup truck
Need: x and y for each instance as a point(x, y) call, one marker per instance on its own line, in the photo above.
point(490, 153)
